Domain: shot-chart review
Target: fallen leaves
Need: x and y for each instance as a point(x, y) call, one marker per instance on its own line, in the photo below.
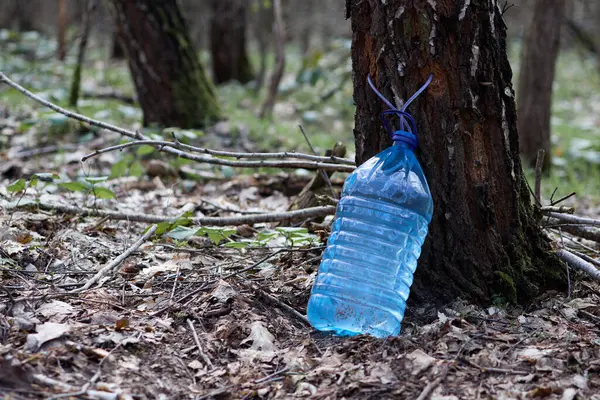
point(44, 334)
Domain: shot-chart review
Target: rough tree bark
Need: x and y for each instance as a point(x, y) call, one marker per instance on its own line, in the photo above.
point(484, 241)
point(228, 41)
point(171, 84)
point(538, 60)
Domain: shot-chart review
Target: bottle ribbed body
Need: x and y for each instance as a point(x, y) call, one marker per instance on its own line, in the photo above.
point(367, 269)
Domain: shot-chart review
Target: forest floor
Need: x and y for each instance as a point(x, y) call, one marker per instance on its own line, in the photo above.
point(217, 312)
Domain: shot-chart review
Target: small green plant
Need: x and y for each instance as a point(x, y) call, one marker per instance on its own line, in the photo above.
point(222, 236)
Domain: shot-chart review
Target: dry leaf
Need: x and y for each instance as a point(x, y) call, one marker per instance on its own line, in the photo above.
point(45, 333)
point(261, 338)
point(56, 310)
point(420, 361)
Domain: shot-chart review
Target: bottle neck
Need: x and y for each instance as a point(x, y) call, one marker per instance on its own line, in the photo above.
point(404, 144)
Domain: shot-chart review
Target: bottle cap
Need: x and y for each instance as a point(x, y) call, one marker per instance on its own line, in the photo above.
point(405, 137)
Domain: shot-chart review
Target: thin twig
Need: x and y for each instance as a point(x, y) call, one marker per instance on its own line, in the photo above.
point(254, 265)
point(274, 374)
point(220, 153)
point(311, 212)
point(276, 302)
point(117, 261)
point(323, 172)
point(207, 361)
point(205, 287)
point(90, 382)
point(494, 369)
point(94, 394)
point(559, 209)
point(553, 203)
point(578, 263)
point(108, 95)
point(237, 163)
point(428, 390)
point(539, 163)
point(582, 231)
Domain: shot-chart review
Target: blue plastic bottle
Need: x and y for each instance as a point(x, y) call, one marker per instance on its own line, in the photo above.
point(380, 224)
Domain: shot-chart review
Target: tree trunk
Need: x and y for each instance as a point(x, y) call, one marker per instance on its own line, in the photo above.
point(62, 29)
point(24, 20)
point(263, 19)
point(116, 51)
point(484, 241)
point(538, 60)
point(279, 37)
point(228, 41)
point(76, 80)
point(171, 85)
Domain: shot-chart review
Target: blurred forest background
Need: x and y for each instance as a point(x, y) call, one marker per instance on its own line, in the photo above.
point(237, 238)
point(316, 87)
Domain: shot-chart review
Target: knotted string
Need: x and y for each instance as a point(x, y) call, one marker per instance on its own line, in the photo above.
point(411, 126)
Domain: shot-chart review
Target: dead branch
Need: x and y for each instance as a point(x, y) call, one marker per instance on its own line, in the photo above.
point(558, 209)
point(207, 361)
point(578, 263)
point(215, 221)
point(587, 258)
point(322, 171)
point(431, 386)
point(108, 95)
point(93, 394)
point(117, 261)
point(175, 151)
point(574, 220)
point(584, 232)
point(279, 34)
point(70, 114)
point(276, 302)
point(193, 149)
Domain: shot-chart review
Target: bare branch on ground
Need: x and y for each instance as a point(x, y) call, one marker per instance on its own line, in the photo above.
point(574, 220)
point(117, 261)
point(207, 361)
point(214, 221)
point(175, 151)
point(579, 263)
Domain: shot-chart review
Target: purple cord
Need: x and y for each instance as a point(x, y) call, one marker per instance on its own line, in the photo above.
point(402, 113)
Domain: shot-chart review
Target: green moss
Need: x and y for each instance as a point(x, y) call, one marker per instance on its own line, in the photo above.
point(504, 286)
point(75, 84)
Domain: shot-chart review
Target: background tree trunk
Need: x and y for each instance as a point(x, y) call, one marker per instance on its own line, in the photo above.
point(538, 60)
point(483, 239)
point(62, 29)
point(24, 17)
point(171, 84)
point(228, 41)
point(262, 22)
point(279, 38)
point(116, 51)
point(85, 33)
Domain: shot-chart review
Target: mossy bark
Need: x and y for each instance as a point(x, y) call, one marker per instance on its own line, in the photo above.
point(171, 84)
point(228, 41)
point(484, 240)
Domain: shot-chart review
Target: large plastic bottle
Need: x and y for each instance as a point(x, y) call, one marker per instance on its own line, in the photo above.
point(380, 224)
